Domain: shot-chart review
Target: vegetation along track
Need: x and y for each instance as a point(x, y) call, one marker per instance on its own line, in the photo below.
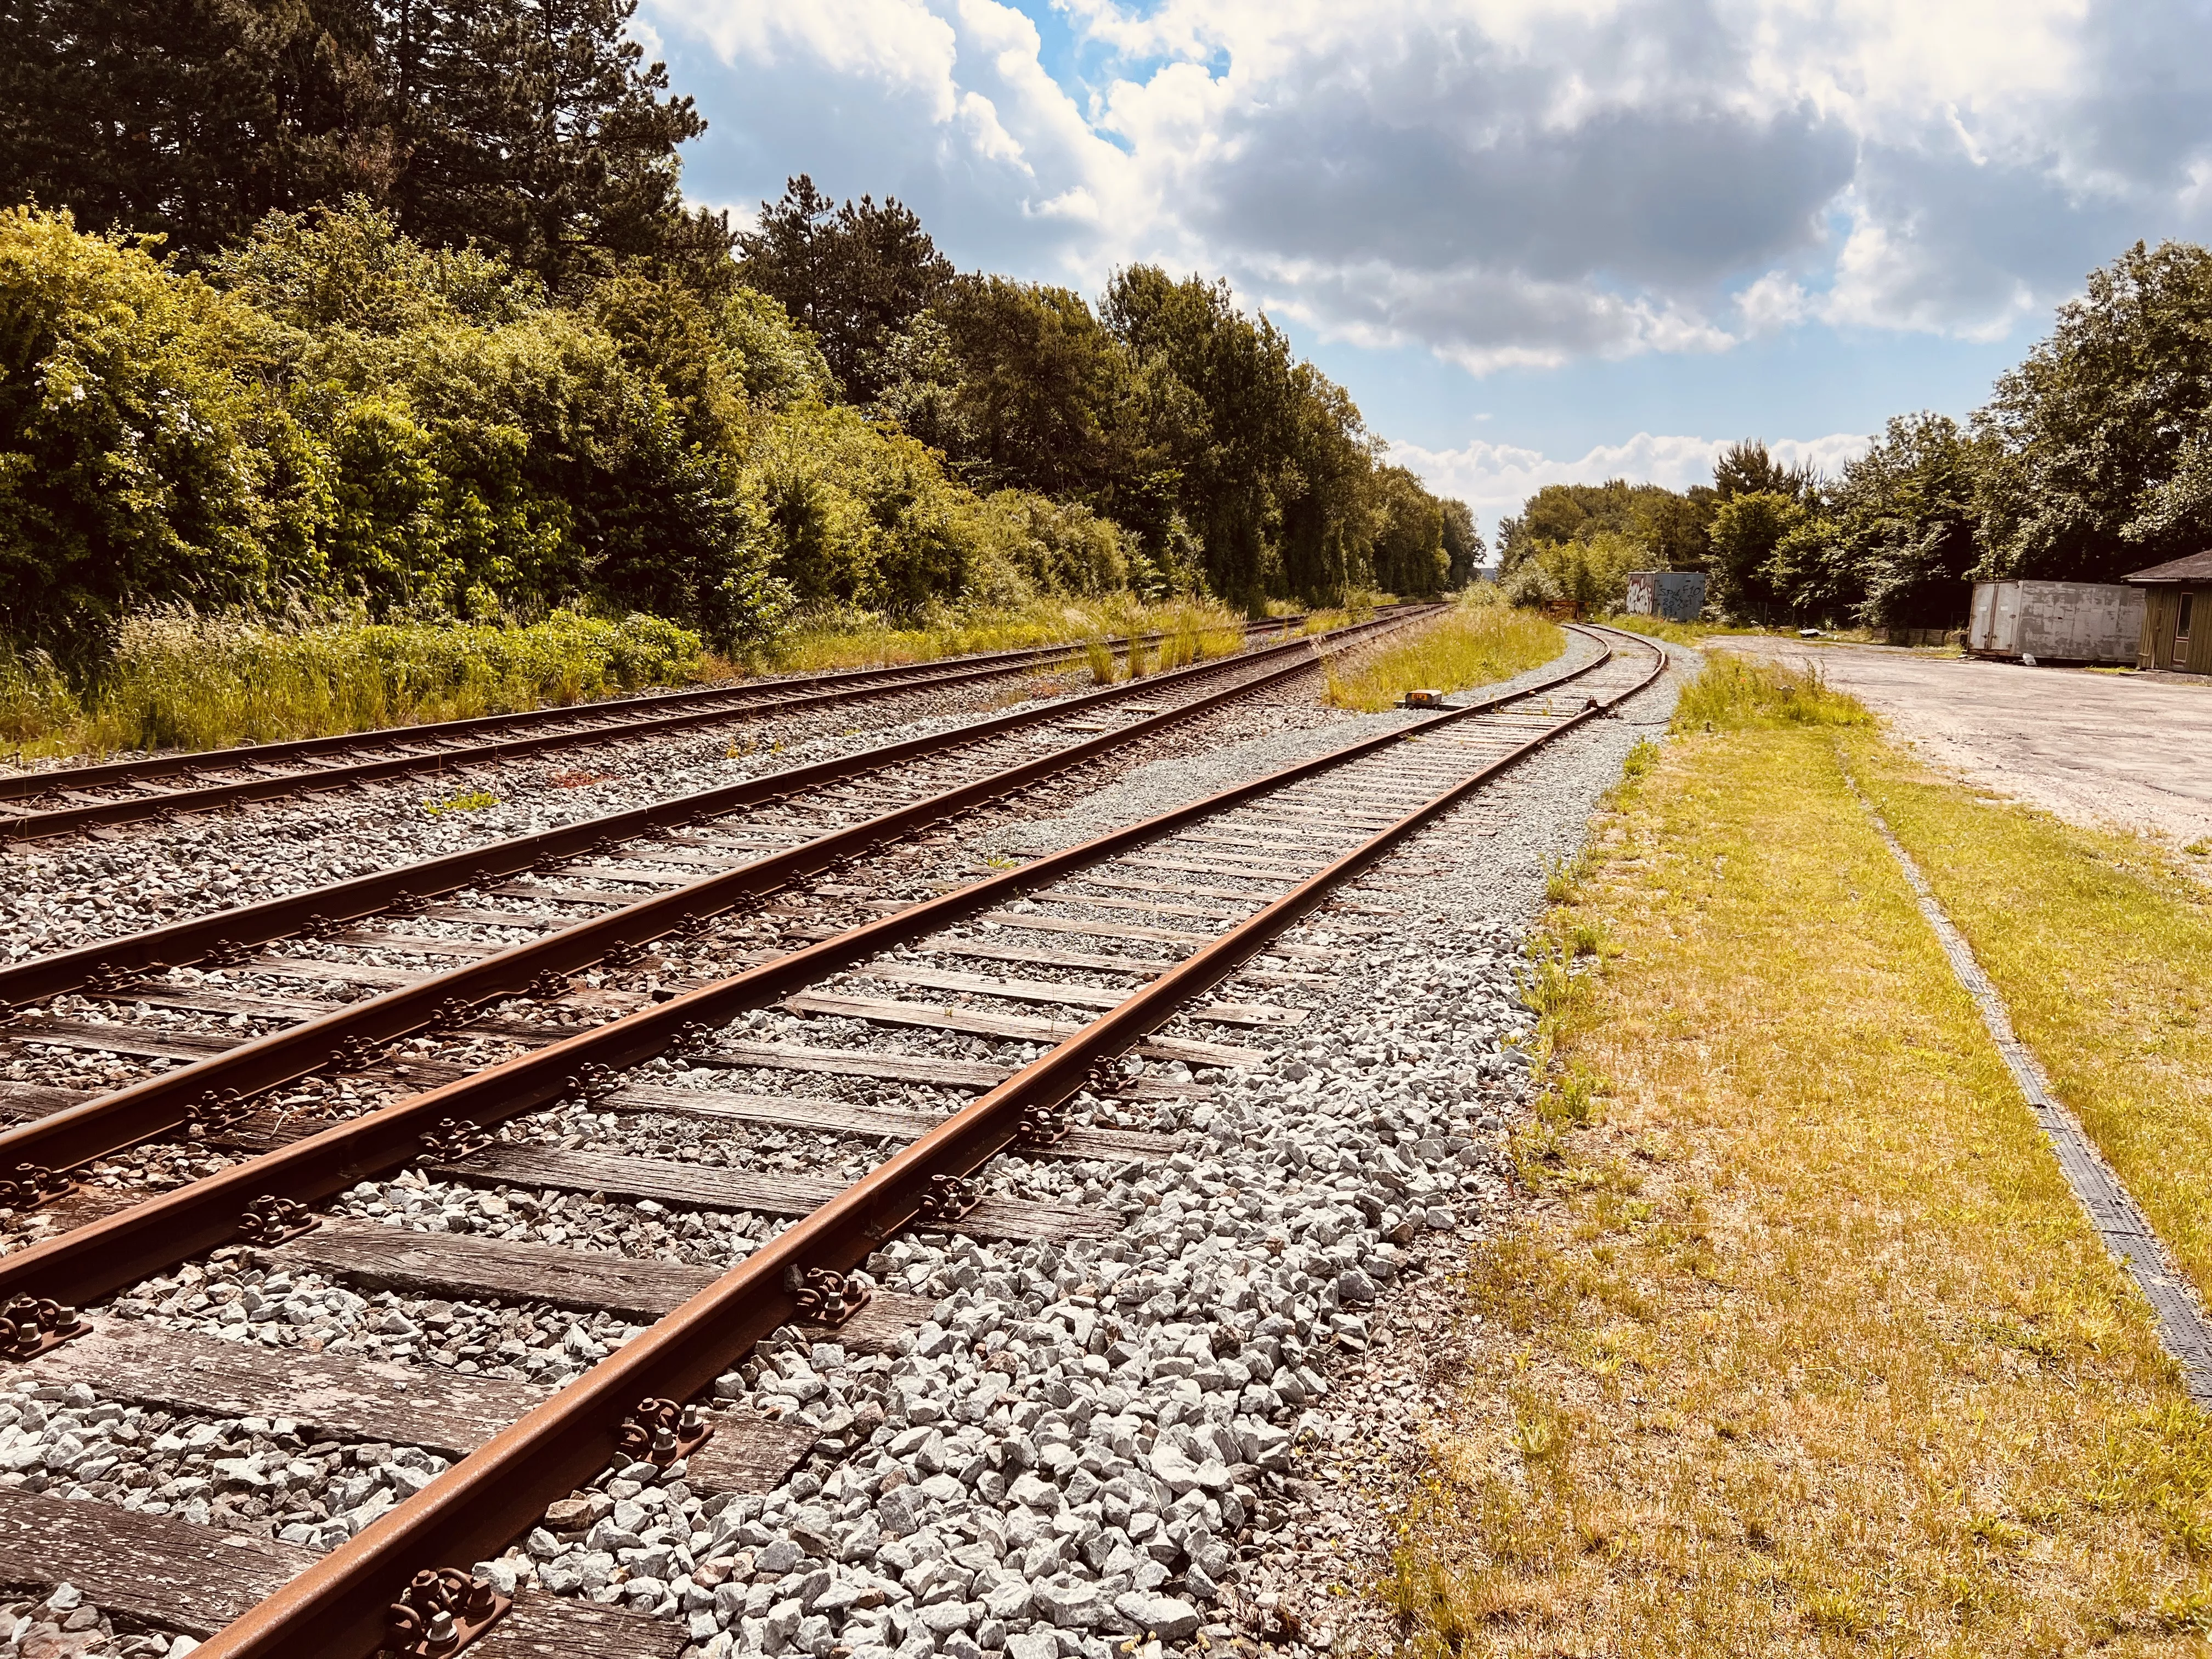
point(35, 806)
point(1217, 881)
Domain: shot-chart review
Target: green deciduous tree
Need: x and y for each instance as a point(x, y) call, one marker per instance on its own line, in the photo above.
point(2092, 462)
point(1748, 527)
point(1905, 517)
point(1463, 543)
point(139, 462)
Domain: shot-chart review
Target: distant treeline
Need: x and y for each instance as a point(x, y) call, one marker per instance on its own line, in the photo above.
point(2092, 458)
point(397, 305)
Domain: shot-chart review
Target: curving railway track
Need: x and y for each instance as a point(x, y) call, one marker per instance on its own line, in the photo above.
point(941, 1031)
point(40, 805)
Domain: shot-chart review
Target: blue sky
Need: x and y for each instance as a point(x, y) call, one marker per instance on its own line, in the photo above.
point(1537, 240)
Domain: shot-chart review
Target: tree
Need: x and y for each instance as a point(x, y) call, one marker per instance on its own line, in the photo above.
point(1748, 527)
point(1904, 523)
point(2092, 447)
point(1670, 527)
point(1024, 390)
point(1746, 469)
point(1463, 543)
point(189, 119)
point(1222, 415)
point(856, 276)
point(1409, 554)
point(1677, 527)
point(137, 454)
point(536, 127)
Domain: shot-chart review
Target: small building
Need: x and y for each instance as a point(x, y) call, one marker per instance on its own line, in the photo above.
point(1672, 595)
point(2056, 622)
point(2176, 620)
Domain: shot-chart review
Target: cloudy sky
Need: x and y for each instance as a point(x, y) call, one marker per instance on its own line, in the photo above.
point(1537, 241)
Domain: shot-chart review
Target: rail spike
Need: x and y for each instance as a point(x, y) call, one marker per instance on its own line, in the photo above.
point(440, 1612)
point(1043, 1125)
point(216, 1110)
point(949, 1198)
point(32, 1185)
point(826, 1297)
point(270, 1220)
point(452, 1140)
point(661, 1431)
point(29, 1325)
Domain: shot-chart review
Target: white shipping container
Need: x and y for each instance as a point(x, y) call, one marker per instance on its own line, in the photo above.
point(2056, 622)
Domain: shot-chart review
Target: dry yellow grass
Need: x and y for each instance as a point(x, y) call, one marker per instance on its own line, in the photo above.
point(1815, 1354)
point(1476, 641)
point(840, 640)
point(2102, 945)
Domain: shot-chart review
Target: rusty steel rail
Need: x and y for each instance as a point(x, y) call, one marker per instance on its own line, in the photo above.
point(336, 1609)
point(182, 943)
point(165, 1101)
point(851, 686)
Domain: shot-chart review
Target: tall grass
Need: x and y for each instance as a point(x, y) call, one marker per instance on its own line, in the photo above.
point(1733, 695)
point(179, 680)
point(841, 639)
point(1479, 641)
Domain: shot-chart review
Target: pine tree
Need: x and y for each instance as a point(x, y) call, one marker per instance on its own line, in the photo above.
point(189, 118)
point(855, 274)
point(535, 127)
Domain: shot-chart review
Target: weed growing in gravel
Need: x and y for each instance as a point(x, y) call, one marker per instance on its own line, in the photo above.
point(1100, 656)
point(1815, 1354)
point(1477, 641)
point(1562, 877)
point(469, 800)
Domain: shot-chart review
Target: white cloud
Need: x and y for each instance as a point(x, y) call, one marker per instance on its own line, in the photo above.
point(1509, 182)
point(1494, 479)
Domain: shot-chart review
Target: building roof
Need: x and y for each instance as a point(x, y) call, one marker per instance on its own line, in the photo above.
point(2196, 568)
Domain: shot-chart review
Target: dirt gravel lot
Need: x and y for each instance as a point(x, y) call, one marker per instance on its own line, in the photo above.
point(2099, 749)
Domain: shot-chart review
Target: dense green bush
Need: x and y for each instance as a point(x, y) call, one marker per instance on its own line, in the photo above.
point(140, 459)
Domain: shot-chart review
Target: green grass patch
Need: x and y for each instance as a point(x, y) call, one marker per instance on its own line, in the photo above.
point(2101, 943)
point(1813, 1353)
point(1733, 695)
point(1479, 641)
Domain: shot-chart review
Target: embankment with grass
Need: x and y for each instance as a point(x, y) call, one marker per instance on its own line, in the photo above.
point(1806, 1349)
point(177, 680)
point(1479, 641)
point(837, 639)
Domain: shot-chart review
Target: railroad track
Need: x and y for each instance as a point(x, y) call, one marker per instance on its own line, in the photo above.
point(1058, 968)
point(40, 804)
point(427, 945)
